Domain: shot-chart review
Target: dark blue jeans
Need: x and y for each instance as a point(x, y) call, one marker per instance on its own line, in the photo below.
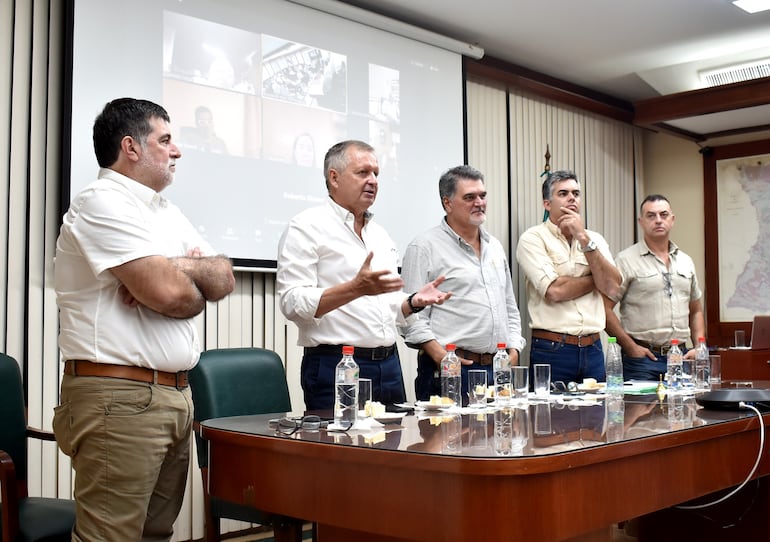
point(644, 368)
point(569, 363)
point(317, 379)
point(428, 381)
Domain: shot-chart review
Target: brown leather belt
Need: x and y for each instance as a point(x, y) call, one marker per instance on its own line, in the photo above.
point(481, 359)
point(79, 367)
point(657, 349)
point(580, 341)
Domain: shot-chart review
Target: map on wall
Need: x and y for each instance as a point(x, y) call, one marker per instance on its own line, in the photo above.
point(743, 207)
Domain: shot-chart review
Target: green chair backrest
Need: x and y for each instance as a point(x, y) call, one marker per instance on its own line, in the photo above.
point(237, 382)
point(13, 422)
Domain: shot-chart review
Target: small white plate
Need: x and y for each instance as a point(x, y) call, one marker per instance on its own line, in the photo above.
point(591, 389)
point(390, 417)
point(427, 405)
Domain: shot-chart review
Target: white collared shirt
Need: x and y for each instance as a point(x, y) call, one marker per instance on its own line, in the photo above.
point(112, 221)
point(320, 249)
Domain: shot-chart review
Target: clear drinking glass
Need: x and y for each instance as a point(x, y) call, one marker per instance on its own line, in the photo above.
point(542, 376)
point(477, 388)
point(364, 394)
point(715, 370)
point(520, 377)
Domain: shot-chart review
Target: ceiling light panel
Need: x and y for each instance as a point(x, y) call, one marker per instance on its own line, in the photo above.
point(752, 6)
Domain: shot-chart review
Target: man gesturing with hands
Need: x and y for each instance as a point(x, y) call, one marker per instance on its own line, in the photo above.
point(338, 281)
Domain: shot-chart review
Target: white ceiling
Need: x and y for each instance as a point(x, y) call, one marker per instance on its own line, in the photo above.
point(628, 49)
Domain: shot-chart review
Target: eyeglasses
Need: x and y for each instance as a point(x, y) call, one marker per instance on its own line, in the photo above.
point(667, 284)
point(560, 387)
point(289, 426)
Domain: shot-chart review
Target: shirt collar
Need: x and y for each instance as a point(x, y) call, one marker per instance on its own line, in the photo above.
point(483, 234)
point(150, 197)
point(645, 250)
point(345, 215)
point(554, 229)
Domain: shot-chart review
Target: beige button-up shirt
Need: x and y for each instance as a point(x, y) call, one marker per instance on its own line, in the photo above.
point(654, 301)
point(544, 255)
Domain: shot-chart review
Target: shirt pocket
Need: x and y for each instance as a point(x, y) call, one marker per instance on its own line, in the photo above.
point(561, 262)
point(682, 284)
point(651, 282)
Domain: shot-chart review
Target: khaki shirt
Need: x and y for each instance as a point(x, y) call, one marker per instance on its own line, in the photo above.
point(544, 255)
point(655, 307)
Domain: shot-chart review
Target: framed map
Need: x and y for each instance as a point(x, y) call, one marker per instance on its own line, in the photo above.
point(737, 236)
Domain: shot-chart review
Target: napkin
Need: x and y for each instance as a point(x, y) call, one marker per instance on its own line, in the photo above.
point(362, 424)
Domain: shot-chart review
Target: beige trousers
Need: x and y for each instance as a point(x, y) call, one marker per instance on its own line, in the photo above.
point(130, 448)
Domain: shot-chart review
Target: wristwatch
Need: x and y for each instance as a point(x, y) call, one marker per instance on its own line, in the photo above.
point(590, 246)
point(412, 307)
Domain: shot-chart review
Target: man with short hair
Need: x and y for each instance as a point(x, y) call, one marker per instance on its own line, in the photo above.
point(659, 298)
point(338, 281)
point(483, 311)
point(567, 268)
point(130, 275)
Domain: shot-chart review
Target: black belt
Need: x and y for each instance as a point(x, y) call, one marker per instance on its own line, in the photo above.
point(377, 353)
point(657, 349)
point(580, 341)
point(481, 359)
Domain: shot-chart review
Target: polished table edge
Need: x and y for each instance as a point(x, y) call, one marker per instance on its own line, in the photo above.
point(529, 464)
point(578, 490)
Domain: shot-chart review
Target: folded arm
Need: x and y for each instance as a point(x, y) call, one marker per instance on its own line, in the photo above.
point(176, 287)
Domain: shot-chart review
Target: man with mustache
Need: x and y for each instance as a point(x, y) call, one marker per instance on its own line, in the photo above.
point(131, 273)
point(567, 268)
point(483, 311)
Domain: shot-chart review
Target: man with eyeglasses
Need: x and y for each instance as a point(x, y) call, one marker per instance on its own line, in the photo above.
point(659, 298)
point(568, 268)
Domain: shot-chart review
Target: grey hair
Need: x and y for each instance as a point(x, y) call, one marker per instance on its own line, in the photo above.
point(337, 158)
point(556, 177)
point(447, 184)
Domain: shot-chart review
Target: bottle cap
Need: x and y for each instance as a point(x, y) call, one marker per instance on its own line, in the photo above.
point(501, 345)
point(347, 350)
point(450, 347)
point(674, 341)
point(612, 339)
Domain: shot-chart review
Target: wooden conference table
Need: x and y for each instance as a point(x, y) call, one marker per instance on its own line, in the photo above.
point(400, 482)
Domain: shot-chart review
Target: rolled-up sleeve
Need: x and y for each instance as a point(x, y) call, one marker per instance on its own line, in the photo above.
point(415, 272)
point(534, 260)
point(297, 276)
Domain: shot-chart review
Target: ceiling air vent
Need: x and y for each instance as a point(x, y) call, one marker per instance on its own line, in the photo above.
point(735, 73)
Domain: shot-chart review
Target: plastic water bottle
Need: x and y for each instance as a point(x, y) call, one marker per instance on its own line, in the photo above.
point(451, 386)
point(613, 366)
point(674, 366)
point(346, 389)
point(702, 366)
point(501, 367)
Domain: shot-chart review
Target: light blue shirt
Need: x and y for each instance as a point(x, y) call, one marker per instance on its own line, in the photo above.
point(482, 310)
